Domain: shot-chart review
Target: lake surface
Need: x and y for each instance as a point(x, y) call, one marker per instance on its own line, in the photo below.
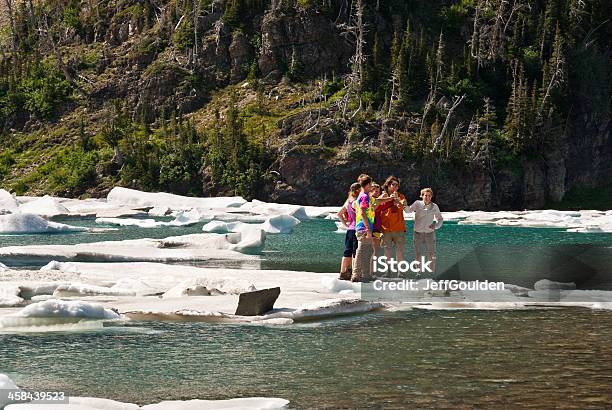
point(411, 359)
point(408, 359)
point(511, 254)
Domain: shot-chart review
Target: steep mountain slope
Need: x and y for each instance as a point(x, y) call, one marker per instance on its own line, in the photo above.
point(494, 105)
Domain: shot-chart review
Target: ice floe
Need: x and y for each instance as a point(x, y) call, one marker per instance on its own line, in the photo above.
point(586, 221)
point(54, 314)
point(6, 385)
point(255, 403)
point(82, 289)
point(68, 309)
point(10, 295)
point(268, 208)
point(141, 223)
point(8, 203)
point(91, 403)
point(194, 247)
point(46, 206)
point(94, 403)
point(30, 223)
point(208, 286)
point(278, 224)
point(182, 218)
point(134, 198)
point(546, 284)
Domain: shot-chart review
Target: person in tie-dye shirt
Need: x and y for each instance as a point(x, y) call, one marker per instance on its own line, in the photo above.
point(365, 208)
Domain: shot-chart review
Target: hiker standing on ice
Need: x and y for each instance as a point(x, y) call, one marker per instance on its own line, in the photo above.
point(347, 216)
point(392, 221)
point(365, 207)
point(427, 218)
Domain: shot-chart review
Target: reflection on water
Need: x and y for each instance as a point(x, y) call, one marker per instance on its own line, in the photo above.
point(408, 359)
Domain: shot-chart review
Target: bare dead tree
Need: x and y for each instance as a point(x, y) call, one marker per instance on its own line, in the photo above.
point(492, 19)
point(456, 102)
point(434, 83)
point(394, 97)
point(46, 31)
point(9, 8)
point(355, 32)
point(556, 80)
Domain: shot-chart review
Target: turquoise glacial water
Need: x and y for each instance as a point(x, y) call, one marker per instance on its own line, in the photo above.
point(511, 254)
point(413, 359)
point(410, 359)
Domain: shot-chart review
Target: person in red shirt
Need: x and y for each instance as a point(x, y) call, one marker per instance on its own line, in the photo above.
point(392, 220)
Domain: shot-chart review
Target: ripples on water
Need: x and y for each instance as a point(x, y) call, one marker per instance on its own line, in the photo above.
point(410, 359)
point(404, 359)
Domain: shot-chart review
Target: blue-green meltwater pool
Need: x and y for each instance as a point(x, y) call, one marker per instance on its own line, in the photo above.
point(412, 359)
point(405, 359)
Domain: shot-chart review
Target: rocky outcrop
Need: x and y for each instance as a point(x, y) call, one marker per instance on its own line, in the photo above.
point(315, 40)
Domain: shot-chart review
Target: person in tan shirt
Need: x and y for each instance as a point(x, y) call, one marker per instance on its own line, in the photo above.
point(427, 218)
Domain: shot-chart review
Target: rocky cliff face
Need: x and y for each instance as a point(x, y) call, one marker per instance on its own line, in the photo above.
point(142, 62)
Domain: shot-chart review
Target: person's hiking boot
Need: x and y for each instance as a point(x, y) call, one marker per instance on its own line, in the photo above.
point(346, 275)
point(356, 277)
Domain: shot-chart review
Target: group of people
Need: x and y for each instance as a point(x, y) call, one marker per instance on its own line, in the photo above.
point(374, 218)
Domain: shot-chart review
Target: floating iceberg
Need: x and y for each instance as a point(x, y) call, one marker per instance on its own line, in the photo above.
point(255, 403)
point(45, 206)
point(10, 295)
point(54, 314)
point(141, 223)
point(8, 203)
point(194, 247)
point(267, 208)
point(67, 309)
point(82, 289)
point(182, 218)
point(321, 211)
point(6, 385)
point(215, 227)
point(280, 224)
point(134, 198)
point(30, 223)
point(586, 221)
point(92, 403)
point(275, 225)
point(340, 227)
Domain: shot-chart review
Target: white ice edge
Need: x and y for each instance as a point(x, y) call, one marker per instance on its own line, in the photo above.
point(93, 403)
